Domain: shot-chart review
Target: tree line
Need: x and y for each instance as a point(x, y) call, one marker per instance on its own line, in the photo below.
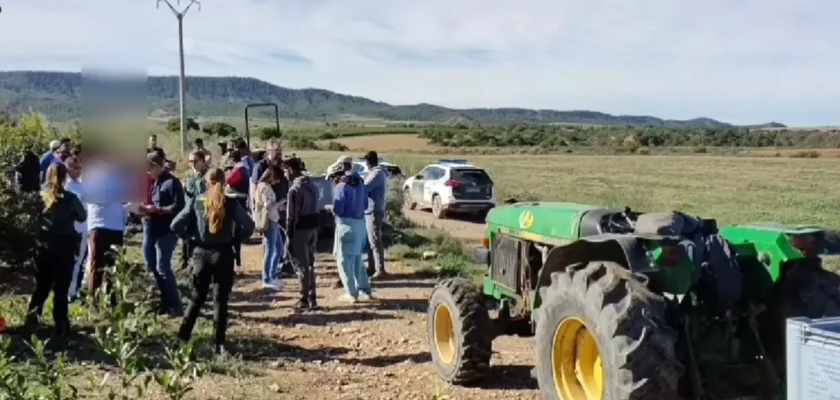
point(558, 136)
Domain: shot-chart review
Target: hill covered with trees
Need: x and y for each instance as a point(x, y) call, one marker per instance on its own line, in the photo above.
point(59, 96)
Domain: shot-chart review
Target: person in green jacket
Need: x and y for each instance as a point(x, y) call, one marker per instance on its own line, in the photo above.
point(209, 221)
point(55, 253)
point(195, 184)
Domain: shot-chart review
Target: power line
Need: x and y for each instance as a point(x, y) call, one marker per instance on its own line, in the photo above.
point(182, 79)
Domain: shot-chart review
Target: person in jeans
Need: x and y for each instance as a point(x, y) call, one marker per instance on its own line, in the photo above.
point(349, 206)
point(158, 249)
point(194, 185)
point(74, 185)
point(57, 241)
point(274, 156)
point(375, 184)
point(266, 204)
point(302, 230)
point(209, 221)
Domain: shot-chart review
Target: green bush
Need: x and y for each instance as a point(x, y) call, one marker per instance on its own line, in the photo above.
point(219, 129)
point(19, 211)
point(336, 146)
point(302, 143)
point(174, 125)
point(270, 132)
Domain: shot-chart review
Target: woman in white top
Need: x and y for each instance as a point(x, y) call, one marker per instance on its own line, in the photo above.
point(267, 216)
point(74, 185)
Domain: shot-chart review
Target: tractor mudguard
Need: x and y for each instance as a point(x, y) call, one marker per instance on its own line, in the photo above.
point(621, 249)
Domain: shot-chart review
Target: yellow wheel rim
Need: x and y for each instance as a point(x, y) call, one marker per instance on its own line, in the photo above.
point(576, 362)
point(445, 342)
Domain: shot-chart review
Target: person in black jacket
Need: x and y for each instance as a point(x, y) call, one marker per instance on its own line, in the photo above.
point(213, 222)
point(57, 242)
point(28, 172)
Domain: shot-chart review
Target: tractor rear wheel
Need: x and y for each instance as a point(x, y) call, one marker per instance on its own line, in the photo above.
point(602, 334)
point(806, 290)
point(459, 331)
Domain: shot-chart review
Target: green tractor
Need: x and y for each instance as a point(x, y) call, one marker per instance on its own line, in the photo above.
point(629, 305)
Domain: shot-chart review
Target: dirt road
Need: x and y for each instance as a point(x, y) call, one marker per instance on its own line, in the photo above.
point(462, 227)
point(371, 350)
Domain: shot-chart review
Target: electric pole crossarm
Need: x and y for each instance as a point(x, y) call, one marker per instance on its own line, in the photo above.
point(171, 7)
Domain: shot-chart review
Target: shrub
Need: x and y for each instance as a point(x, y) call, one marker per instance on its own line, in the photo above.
point(806, 154)
point(19, 211)
point(336, 146)
point(174, 125)
point(219, 129)
point(302, 143)
point(270, 132)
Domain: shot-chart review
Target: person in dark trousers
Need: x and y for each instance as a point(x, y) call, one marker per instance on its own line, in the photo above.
point(57, 242)
point(375, 183)
point(194, 185)
point(27, 173)
point(209, 221)
point(237, 181)
point(302, 230)
point(158, 249)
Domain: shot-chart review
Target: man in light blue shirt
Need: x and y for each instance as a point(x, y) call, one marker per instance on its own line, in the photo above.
point(376, 180)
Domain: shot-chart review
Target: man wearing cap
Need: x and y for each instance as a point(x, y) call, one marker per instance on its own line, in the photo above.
point(375, 181)
point(160, 242)
point(56, 147)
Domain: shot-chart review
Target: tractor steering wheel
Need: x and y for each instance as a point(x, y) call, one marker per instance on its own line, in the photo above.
point(621, 222)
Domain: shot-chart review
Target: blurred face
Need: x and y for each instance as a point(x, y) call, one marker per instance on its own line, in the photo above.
point(154, 170)
point(74, 167)
point(274, 155)
point(197, 164)
point(152, 141)
point(287, 172)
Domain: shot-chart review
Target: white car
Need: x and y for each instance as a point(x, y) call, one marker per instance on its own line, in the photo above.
point(451, 186)
point(360, 167)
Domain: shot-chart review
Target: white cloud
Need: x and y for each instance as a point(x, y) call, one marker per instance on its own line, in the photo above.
point(743, 61)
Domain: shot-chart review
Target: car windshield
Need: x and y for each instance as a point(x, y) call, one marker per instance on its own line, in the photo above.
point(471, 175)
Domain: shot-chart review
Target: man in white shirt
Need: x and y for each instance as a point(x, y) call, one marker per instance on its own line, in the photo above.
point(74, 185)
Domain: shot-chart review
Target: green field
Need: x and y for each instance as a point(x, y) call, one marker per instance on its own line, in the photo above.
point(731, 189)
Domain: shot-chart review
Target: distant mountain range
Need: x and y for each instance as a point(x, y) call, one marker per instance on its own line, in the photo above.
point(58, 95)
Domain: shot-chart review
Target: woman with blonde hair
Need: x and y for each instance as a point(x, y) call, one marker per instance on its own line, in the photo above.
point(267, 209)
point(209, 221)
point(57, 241)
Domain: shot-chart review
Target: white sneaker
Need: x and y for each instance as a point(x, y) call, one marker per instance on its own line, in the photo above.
point(271, 285)
point(280, 284)
point(366, 296)
point(346, 298)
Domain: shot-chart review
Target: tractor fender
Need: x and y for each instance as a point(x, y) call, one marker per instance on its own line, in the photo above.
point(621, 249)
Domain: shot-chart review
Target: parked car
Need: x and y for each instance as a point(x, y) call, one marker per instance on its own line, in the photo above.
point(451, 186)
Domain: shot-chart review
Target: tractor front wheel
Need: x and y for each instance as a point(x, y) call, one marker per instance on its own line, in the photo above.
point(602, 334)
point(459, 331)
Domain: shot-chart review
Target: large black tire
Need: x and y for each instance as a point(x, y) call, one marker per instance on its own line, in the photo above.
point(806, 290)
point(628, 324)
point(459, 331)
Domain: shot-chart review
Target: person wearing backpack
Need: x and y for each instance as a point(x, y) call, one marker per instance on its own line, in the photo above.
point(213, 222)
point(56, 246)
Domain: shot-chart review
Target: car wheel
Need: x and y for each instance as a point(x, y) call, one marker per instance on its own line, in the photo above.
point(407, 199)
point(437, 208)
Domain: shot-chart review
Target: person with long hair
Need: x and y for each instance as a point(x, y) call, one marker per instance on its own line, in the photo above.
point(160, 242)
point(267, 211)
point(209, 221)
point(57, 242)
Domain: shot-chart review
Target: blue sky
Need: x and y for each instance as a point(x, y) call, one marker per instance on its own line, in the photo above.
point(742, 61)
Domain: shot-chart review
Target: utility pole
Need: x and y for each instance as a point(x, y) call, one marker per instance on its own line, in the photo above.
point(182, 79)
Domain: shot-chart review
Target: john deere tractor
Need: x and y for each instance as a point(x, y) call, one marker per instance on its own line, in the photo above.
point(630, 305)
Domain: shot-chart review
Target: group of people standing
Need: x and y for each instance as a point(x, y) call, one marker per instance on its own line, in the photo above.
point(212, 213)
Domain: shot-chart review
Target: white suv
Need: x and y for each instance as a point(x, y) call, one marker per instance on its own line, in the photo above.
point(451, 186)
